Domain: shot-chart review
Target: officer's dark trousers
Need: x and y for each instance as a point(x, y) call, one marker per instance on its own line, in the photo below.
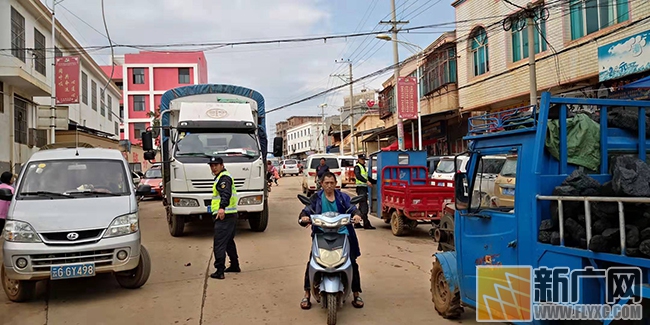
point(363, 205)
point(356, 276)
point(224, 241)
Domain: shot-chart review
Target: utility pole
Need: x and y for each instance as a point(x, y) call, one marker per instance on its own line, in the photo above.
point(531, 53)
point(53, 82)
point(394, 22)
point(322, 128)
point(351, 112)
point(350, 80)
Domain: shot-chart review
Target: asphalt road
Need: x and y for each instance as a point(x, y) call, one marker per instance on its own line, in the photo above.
point(395, 275)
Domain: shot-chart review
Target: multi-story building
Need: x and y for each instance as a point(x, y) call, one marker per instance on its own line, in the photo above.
point(281, 131)
point(582, 47)
point(145, 76)
point(304, 139)
point(26, 72)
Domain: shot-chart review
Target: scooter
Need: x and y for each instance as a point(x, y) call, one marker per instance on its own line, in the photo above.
point(330, 268)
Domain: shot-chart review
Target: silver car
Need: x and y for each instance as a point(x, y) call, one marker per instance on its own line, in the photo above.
point(73, 214)
point(290, 167)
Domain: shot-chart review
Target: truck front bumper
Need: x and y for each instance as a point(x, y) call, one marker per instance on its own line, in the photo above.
point(186, 204)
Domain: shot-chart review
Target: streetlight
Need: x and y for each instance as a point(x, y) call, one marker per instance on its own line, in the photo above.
point(322, 109)
point(386, 37)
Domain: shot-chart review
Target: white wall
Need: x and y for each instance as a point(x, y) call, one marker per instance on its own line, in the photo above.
point(305, 137)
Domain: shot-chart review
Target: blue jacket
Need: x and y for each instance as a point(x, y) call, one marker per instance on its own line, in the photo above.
point(343, 204)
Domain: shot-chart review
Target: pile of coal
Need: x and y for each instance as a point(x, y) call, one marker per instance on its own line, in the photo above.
point(630, 178)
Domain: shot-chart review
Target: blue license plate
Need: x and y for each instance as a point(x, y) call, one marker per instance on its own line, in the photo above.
point(509, 191)
point(72, 271)
point(209, 209)
point(153, 191)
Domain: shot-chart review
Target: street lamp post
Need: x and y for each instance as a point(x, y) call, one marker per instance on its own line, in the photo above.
point(386, 37)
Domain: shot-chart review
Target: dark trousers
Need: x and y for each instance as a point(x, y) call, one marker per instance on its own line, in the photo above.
point(224, 241)
point(2, 225)
point(363, 205)
point(356, 276)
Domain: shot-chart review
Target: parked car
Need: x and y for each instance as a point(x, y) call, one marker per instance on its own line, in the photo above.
point(445, 169)
point(74, 214)
point(289, 167)
point(432, 164)
point(504, 185)
point(308, 180)
point(153, 178)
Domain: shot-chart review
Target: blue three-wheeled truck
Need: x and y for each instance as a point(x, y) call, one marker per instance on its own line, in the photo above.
point(574, 240)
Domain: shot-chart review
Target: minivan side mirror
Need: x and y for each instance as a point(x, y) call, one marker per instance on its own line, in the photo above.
point(278, 146)
point(143, 189)
point(5, 195)
point(461, 195)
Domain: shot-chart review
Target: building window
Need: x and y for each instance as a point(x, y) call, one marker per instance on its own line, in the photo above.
point(102, 102)
point(20, 120)
point(109, 104)
point(479, 52)
point(121, 111)
point(2, 97)
point(138, 103)
point(519, 36)
point(183, 75)
point(138, 128)
point(39, 52)
point(439, 70)
point(590, 16)
point(117, 129)
point(138, 76)
point(120, 85)
point(17, 35)
point(57, 52)
point(84, 88)
point(93, 94)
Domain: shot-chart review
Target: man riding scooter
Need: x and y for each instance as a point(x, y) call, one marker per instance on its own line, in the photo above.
point(329, 199)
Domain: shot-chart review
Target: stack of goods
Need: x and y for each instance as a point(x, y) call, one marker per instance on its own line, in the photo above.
point(630, 178)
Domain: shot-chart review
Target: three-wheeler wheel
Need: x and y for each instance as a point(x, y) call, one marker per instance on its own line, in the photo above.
point(447, 303)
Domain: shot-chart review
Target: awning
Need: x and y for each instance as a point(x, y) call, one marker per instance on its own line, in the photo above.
point(641, 83)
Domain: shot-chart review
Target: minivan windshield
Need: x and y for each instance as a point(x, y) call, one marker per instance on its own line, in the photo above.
point(445, 166)
point(509, 168)
point(333, 163)
point(74, 178)
point(290, 162)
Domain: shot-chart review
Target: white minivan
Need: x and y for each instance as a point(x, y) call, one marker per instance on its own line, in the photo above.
point(309, 172)
point(445, 170)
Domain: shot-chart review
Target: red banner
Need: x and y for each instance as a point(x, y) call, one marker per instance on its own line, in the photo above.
point(67, 80)
point(407, 98)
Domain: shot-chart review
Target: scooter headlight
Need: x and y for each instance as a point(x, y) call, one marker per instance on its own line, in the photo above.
point(330, 259)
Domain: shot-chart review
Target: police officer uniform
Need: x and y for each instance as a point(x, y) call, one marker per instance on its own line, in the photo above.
point(361, 180)
point(224, 196)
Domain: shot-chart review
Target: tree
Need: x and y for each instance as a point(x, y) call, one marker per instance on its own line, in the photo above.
point(155, 125)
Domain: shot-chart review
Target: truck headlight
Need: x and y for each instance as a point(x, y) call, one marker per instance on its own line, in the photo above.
point(123, 225)
point(20, 232)
point(185, 203)
point(330, 259)
point(251, 200)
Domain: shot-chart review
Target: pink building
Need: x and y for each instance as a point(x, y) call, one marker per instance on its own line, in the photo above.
point(144, 77)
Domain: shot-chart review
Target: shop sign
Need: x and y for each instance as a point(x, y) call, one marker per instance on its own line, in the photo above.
point(627, 56)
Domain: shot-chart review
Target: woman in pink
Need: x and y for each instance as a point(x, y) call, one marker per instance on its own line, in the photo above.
point(6, 181)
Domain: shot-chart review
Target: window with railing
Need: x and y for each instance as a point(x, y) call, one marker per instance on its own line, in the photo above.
point(20, 120)
point(479, 52)
point(17, 35)
point(439, 70)
point(39, 52)
point(590, 16)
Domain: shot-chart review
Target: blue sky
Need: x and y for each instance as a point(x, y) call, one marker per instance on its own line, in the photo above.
point(281, 72)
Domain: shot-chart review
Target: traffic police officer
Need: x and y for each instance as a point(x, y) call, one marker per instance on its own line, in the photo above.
point(224, 209)
point(363, 181)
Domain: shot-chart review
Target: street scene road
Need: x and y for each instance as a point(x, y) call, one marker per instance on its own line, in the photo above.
point(395, 278)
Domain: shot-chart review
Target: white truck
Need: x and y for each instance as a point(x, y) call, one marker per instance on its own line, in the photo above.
point(209, 120)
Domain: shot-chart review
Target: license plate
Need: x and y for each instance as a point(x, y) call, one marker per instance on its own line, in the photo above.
point(209, 209)
point(441, 184)
point(153, 191)
point(509, 191)
point(72, 271)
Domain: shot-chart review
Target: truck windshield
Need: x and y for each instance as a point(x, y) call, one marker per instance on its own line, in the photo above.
point(213, 144)
point(74, 178)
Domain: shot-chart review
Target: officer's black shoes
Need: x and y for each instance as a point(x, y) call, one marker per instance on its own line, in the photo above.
point(233, 269)
point(369, 227)
point(358, 225)
point(218, 275)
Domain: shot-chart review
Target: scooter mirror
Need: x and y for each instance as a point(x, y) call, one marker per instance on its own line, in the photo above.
point(304, 200)
point(357, 199)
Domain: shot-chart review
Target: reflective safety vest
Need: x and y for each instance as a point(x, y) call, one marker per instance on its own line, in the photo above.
point(216, 197)
point(364, 173)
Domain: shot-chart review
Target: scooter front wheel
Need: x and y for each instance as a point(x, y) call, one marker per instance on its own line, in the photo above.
point(332, 308)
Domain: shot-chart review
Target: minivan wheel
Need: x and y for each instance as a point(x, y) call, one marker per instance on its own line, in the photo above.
point(137, 277)
point(17, 290)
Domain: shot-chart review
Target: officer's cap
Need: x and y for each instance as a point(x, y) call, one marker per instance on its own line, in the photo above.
point(215, 161)
point(362, 156)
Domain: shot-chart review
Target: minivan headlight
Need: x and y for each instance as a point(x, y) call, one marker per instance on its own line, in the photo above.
point(20, 232)
point(123, 225)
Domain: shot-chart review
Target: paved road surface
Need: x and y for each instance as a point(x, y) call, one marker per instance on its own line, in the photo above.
point(395, 279)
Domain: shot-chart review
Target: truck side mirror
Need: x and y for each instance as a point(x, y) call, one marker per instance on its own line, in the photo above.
point(147, 141)
point(150, 155)
point(278, 146)
point(460, 188)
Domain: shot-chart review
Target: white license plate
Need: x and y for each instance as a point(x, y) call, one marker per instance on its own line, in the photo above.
point(71, 271)
point(509, 191)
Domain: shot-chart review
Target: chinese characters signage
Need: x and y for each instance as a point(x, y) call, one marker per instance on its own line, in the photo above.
point(407, 98)
point(67, 80)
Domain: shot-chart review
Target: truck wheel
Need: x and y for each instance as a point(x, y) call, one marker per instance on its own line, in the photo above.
point(447, 304)
point(332, 308)
point(176, 223)
point(397, 224)
point(17, 290)
point(259, 222)
point(137, 277)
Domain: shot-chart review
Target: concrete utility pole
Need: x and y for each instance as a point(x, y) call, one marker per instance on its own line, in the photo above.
point(394, 22)
point(531, 53)
point(322, 128)
point(351, 112)
point(350, 80)
point(53, 81)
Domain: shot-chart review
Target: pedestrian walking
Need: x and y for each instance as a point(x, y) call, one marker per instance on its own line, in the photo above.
point(6, 181)
point(363, 181)
point(224, 210)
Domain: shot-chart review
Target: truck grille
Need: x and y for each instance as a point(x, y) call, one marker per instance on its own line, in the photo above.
point(63, 236)
point(43, 262)
point(207, 183)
